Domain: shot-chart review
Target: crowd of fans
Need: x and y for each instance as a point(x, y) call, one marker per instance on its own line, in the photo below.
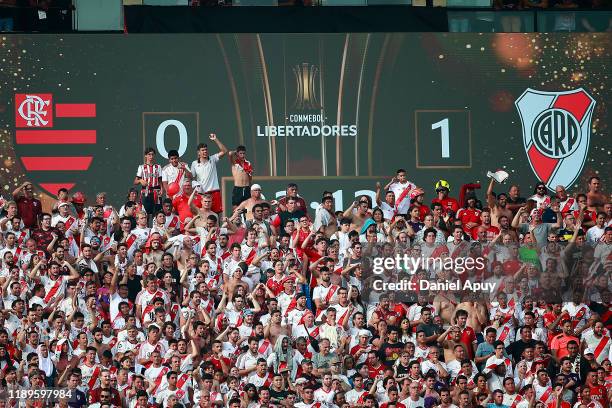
point(161, 301)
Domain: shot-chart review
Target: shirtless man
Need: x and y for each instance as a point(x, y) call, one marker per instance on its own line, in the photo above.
point(445, 304)
point(186, 250)
point(497, 205)
point(242, 172)
point(274, 328)
point(358, 213)
point(156, 251)
point(325, 218)
point(595, 198)
point(477, 313)
point(249, 203)
point(204, 211)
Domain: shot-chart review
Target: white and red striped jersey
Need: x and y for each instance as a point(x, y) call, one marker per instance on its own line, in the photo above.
point(173, 222)
point(125, 346)
point(258, 381)
point(155, 375)
point(247, 253)
point(512, 400)
point(601, 345)
point(53, 287)
point(171, 174)
point(579, 314)
point(146, 349)
point(294, 316)
point(183, 382)
point(328, 294)
point(69, 221)
point(542, 202)
point(151, 173)
point(570, 204)
point(145, 300)
point(354, 397)
point(543, 393)
point(90, 375)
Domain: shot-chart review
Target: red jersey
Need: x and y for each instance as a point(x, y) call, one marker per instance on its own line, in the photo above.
point(276, 286)
point(180, 204)
point(216, 362)
point(468, 337)
point(374, 371)
point(29, 210)
point(423, 211)
point(298, 237)
point(385, 314)
point(448, 203)
point(400, 310)
point(599, 394)
point(466, 215)
point(588, 216)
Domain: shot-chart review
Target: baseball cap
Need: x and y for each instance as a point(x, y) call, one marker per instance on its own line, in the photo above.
point(248, 312)
point(301, 380)
point(255, 187)
point(589, 350)
point(61, 204)
point(306, 361)
point(334, 361)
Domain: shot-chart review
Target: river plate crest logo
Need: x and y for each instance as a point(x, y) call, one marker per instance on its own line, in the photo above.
point(556, 133)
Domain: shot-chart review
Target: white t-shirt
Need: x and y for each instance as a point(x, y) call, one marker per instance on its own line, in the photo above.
point(205, 173)
point(322, 217)
point(343, 239)
point(320, 395)
point(409, 403)
point(388, 211)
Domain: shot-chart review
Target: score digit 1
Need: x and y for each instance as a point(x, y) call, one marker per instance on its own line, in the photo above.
point(444, 127)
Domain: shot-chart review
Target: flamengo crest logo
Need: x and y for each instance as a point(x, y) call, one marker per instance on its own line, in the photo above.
point(556, 133)
point(33, 111)
point(48, 148)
